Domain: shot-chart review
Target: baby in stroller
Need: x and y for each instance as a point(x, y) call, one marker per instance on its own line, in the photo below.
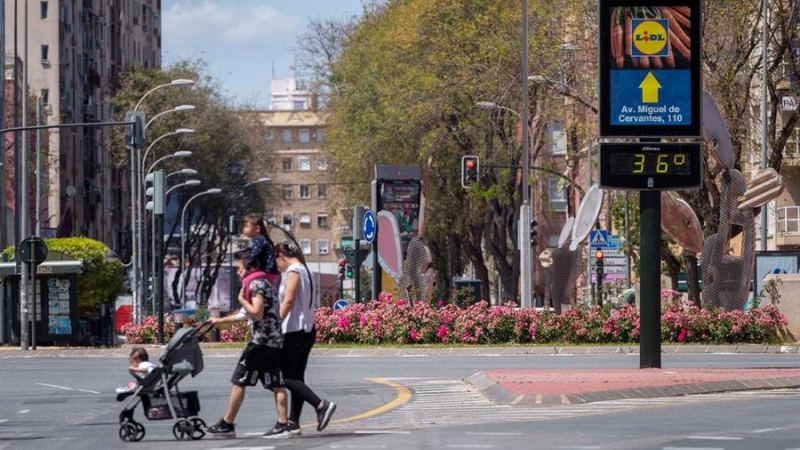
point(140, 366)
point(158, 390)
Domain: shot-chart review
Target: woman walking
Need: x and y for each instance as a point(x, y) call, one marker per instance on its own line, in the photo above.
point(297, 309)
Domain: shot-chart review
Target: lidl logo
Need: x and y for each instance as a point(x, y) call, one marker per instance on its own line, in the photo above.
point(650, 37)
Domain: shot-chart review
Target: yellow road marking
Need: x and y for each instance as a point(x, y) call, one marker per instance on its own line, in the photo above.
point(403, 396)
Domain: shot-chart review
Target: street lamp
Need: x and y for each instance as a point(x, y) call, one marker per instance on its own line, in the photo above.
point(183, 238)
point(187, 131)
point(523, 229)
point(178, 108)
point(258, 181)
point(563, 89)
point(184, 171)
point(178, 154)
point(176, 82)
point(185, 183)
point(135, 211)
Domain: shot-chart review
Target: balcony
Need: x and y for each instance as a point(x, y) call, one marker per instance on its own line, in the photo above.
point(788, 226)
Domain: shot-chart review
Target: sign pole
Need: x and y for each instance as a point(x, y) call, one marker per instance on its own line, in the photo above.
point(650, 281)
point(357, 270)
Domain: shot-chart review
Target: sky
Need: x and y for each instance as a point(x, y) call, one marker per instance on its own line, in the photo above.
point(244, 42)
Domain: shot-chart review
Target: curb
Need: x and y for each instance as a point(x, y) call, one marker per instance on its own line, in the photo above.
point(213, 350)
point(499, 394)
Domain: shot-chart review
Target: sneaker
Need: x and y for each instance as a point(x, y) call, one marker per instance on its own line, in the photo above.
point(324, 414)
point(294, 428)
point(221, 429)
point(279, 431)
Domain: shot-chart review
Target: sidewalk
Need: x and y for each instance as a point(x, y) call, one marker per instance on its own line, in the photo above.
point(558, 387)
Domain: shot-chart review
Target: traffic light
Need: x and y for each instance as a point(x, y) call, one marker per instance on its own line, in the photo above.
point(598, 264)
point(470, 170)
point(342, 264)
point(349, 271)
point(534, 233)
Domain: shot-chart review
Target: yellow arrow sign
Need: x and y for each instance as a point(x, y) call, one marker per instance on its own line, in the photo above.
point(650, 87)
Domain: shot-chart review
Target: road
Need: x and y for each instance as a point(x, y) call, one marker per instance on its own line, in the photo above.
point(403, 403)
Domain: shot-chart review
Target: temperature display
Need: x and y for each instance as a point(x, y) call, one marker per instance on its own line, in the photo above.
point(650, 166)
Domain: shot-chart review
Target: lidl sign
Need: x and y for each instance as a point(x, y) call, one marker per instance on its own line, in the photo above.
point(650, 70)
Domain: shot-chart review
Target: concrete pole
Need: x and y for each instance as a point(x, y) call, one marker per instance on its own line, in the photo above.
point(764, 119)
point(23, 191)
point(526, 275)
point(3, 213)
point(38, 189)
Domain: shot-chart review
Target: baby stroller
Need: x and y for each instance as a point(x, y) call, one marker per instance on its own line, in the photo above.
point(159, 394)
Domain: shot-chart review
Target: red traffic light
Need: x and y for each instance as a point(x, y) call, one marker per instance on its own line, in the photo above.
point(470, 163)
point(342, 263)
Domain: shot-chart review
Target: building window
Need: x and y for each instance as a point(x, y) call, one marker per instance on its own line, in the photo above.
point(299, 105)
point(304, 136)
point(322, 164)
point(321, 134)
point(304, 163)
point(557, 195)
point(793, 144)
point(45, 96)
point(45, 54)
point(322, 221)
point(288, 192)
point(286, 135)
point(269, 135)
point(305, 220)
point(322, 246)
point(288, 220)
point(43, 10)
point(305, 246)
point(286, 164)
point(557, 138)
point(322, 191)
point(305, 191)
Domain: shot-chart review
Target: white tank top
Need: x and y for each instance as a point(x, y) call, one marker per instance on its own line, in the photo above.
point(301, 316)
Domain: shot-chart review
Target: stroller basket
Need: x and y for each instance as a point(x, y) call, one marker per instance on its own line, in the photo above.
point(186, 404)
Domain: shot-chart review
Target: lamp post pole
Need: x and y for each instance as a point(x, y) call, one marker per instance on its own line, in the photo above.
point(183, 240)
point(136, 198)
point(764, 118)
point(526, 282)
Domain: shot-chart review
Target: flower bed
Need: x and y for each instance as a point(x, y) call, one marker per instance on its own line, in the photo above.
point(384, 321)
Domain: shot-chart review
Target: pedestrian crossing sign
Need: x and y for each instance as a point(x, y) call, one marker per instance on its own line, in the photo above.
point(598, 238)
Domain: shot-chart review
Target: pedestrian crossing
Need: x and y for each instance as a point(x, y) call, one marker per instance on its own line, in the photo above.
point(443, 402)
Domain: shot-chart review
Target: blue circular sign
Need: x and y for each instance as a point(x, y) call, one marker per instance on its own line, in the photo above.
point(340, 304)
point(370, 226)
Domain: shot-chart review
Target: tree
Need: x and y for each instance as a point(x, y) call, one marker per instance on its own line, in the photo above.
point(228, 150)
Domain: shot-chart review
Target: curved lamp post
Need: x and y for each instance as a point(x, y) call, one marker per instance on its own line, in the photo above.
point(184, 171)
point(183, 238)
point(176, 82)
point(185, 183)
point(178, 108)
point(178, 154)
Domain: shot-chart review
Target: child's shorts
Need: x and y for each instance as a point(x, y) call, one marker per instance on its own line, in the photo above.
point(259, 363)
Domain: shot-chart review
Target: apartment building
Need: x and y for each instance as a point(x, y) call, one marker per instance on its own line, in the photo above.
point(300, 173)
point(76, 53)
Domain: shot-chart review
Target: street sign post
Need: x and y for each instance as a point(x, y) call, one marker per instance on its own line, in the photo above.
point(789, 103)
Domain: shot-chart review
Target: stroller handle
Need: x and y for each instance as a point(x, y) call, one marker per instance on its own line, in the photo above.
point(203, 328)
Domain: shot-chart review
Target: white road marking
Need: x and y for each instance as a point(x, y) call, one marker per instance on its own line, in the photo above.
point(380, 432)
point(55, 386)
point(23, 411)
point(89, 391)
point(581, 447)
point(3, 420)
point(356, 446)
point(470, 446)
point(715, 438)
point(693, 448)
point(494, 433)
point(242, 448)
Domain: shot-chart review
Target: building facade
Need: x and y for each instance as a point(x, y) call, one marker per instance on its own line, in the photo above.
point(76, 53)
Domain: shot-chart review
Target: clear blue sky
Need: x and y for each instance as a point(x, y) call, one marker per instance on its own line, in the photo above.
point(243, 40)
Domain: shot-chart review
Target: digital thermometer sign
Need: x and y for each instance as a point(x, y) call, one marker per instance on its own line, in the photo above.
point(650, 166)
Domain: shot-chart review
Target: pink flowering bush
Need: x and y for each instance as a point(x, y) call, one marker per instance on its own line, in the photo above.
point(385, 320)
point(147, 332)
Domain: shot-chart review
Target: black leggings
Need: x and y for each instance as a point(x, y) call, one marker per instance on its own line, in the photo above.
point(294, 358)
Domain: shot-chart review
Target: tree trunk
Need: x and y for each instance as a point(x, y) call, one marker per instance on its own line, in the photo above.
point(692, 279)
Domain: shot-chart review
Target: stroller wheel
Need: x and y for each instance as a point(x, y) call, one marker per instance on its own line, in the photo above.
point(199, 428)
point(127, 432)
point(182, 430)
point(139, 431)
